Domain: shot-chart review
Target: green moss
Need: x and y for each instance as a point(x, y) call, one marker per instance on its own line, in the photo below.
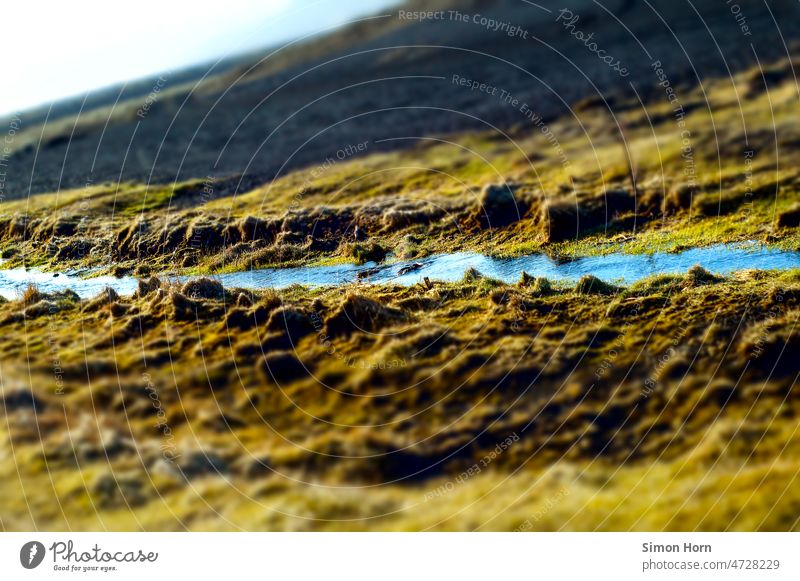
point(591, 285)
point(366, 252)
point(369, 343)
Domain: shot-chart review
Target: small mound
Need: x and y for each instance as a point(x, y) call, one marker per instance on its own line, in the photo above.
point(283, 367)
point(576, 215)
point(398, 218)
point(771, 346)
point(113, 491)
point(634, 306)
point(698, 275)
point(65, 226)
point(198, 464)
point(499, 206)
point(363, 252)
point(105, 297)
point(205, 235)
point(32, 295)
point(540, 285)
point(244, 299)
point(21, 400)
point(245, 318)
point(50, 303)
point(18, 226)
point(148, 286)
point(561, 219)
point(181, 308)
point(290, 322)
point(472, 274)
point(204, 288)
point(109, 294)
point(591, 285)
point(40, 309)
point(416, 344)
point(678, 199)
point(502, 296)
point(789, 218)
point(252, 228)
point(358, 313)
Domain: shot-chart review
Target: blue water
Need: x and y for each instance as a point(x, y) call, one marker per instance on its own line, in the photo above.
point(621, 268)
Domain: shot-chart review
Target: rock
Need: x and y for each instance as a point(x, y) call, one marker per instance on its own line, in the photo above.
point(105, 297)
point(409, 268)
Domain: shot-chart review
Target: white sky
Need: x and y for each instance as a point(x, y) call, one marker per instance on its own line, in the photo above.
point(66, 47)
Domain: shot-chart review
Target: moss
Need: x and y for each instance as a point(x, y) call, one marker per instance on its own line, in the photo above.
point(442, 372)
point(253, 228)
point(698, 275)
point(472, 274)
point(366, 252)
point(283, 367)
point(591, 285)
point(540, 286)
point(291, 322)
point(664, 283)
point(361, 314)
point(150, 285)
point(138, 201)
point(498, 206)
point(204, 288)
point(461, 350)
point(789, 218)
point(415, 212)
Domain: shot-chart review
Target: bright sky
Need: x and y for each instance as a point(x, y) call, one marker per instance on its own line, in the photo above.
point(64, 48)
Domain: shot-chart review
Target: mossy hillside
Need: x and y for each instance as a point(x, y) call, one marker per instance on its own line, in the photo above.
point(432, 193)
point(359, 404)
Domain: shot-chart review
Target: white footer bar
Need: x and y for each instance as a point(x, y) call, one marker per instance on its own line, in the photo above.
point(401, 556)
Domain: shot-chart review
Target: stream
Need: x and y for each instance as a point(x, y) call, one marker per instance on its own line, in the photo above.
point(619, 267)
